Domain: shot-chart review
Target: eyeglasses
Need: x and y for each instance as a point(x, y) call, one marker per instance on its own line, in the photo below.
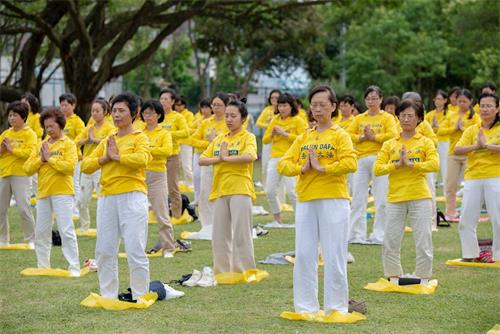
point(148, 112)
point(487, 106)
point(321, 105)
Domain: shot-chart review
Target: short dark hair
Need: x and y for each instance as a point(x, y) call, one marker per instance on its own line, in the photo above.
point(181, 99)
point(170, 91)
point(32, 101)
point(19, 108)
point(497, 116)
point(56, 114)
point(104, 104)
point(242, 108)
point(271, 93)
point(221, 95)
point(298, 101)
point(394, 100)
point(467, 93)
point(68, 97)
point(130, 100)
point(332, 97)
point(454, 90)
point(346, 98)
point(154, 105)
point(205, 103)
point(287, 98)
point(489, 85)
point(375, 89)
point(415, 105)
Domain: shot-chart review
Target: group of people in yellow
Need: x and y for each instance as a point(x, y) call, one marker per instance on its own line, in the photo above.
point(327, 160)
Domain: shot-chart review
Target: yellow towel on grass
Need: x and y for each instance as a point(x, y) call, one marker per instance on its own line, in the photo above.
point(333, 318)
point(249, 276)
point(152, 217)
point(291, 259)
point(55, 272)
point(184, 188)
point(285, 207)
point(459, 262)
point(494, 330)
point(184, 219)
point(17, 247)
point(260, 193)
point(383, 285)
point(95, 300)
point(91, 232)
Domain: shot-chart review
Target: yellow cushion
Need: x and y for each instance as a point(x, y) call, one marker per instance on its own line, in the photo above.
point(383, 285)
point(249, 276)
point(91, 232)
point(459, 262)
point(52, 272)
point(334, 317)
point(95, 300)
point(17, 247)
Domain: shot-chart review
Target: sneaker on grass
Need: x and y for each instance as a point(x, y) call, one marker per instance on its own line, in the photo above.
point(195, 277)
point(171, 293)
point(207, 278)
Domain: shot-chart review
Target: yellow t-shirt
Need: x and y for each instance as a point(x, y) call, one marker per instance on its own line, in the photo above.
point(424, 128)
point(482, 163)
point(382, 124)
point(335, 152)
point(343, 124)
point(189, 117)
point(108, 118)
point(303, 114)
point(138, 124)
point(452, 108)
point(233, 178)
point(55, 177)
point(106, 129)
point(199, 139)
point(33, 121)
point(448, 127)
point(439, 118)
point(160, 147)
point(294, 126)
point(126, 175)
point(405, 183)
point(265, 117)
point(177, 125)
point(23, 143)
point(74, 125)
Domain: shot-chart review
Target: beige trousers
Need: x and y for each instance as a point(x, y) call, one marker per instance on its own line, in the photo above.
point(158, 197)
point(232, 243)
point(455, 173)
point(173, 168)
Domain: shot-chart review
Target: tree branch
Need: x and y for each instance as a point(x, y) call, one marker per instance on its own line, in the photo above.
point(83, 36)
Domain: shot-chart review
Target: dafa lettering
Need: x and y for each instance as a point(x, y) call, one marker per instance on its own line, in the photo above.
point(56, 153)
point(233, 152)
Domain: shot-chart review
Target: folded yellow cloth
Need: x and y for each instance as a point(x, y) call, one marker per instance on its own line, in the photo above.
point(494, 330)
point(157, 254)
point(408, 229)
point(152, 217)
point(17, 247)
point(371, 210)
point(56, 272)
point(184, 188)
point(284, 207)
point(459, 262)
point(91, 232)
point(260, 193)
point(184, 219)
point(249, 276)
point(185, 234)
point(95, 300)
point(291, 259)
point(383, 285)
point(334, 317)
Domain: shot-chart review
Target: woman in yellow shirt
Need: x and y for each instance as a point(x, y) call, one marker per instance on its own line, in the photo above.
point(281, 133)
point(347, 104)
point(453, 126)
point(407, 159)
point(453, 99)
point(482, 179)
point(16, 145)
point(160, 147)
point(390, 105)
point(122, 206)
point(435, 118)
point(55, 161)
point(263, 121)
point(33, 120)
point(368, 132)
point(186, 153)
point(232, 155)
point(321, 158)
point(89, 139)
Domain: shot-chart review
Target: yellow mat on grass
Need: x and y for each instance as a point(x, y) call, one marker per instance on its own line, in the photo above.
point(494, 330)
point(260, 193)
point(91, 232)
point(184, 188)
point(184, 219)
point(17, 247)
point(285, 207)
point(383, 285)
point(55, 272)
point(459, 262)
point(291, 259)
point(152, 217)
point(249, 276)
point(333, 318)
point(95, 300)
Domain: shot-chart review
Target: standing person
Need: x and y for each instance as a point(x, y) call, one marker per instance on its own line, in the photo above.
point(160, 147)
point(453, 99)
point(232, 155)
point(186, 148)
point(122, 206)
point(280, 133)
point(390, 105)
point(453, 126)
point(55, 162)
point(33, 120)
point(201, 139)
point(89, 139)
point(368, 132)
point(435, 118)
point(482, 178)
point(16, 145)
point(407, 159)
point(346, 108)
point(263, 121)
point(176, 124)
point(321, 158)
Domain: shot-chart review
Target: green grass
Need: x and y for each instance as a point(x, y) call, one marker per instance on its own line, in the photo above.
point(466, 301)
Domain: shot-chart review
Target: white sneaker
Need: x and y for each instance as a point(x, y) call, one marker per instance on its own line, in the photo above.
point(195, 277)
point(171, 293)
point(168, 255)
point(12, 202)
point(259, 184)
point(207, 279)
point(350, 258)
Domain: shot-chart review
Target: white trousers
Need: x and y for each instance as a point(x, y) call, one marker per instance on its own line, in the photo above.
point(443, 147)
point(361, 181)
point(206, 207)
point(419, 214)
point(314, 224)
point(62, 207)
point(196, 176)
point(266, 151)
point(273, 183)
point(88, 182)
point(76, 186)
point(431, 183)
point(122, 216)
point(19, 186)
point(476, 192)
point(187, 163)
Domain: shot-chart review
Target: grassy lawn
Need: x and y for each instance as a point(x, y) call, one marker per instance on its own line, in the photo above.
point(466, 301)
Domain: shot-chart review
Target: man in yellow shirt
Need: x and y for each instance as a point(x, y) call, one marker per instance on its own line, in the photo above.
point(186, 149)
